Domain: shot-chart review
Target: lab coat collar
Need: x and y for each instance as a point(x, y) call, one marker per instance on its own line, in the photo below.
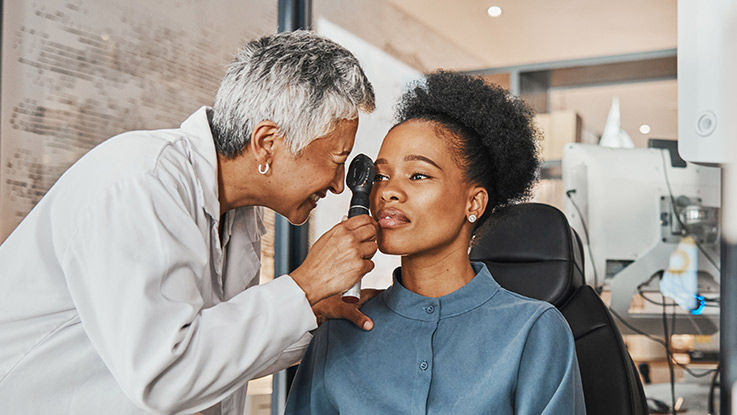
point(197, 127)
point(249, 219)
point(412, 305)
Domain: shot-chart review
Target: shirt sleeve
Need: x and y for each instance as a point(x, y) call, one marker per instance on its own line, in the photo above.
point(136, 271)
point(308, 395)
point(549, 381)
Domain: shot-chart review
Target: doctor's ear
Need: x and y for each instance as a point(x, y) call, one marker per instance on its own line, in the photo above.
point(263, 141)
point(477, 201)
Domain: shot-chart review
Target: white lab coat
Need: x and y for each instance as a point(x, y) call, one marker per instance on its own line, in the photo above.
point(117, 295)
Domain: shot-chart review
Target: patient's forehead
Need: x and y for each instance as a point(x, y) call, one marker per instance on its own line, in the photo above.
point(415, 137)
point(425, 138)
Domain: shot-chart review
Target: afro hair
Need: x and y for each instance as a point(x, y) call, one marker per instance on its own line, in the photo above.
point(491, 132)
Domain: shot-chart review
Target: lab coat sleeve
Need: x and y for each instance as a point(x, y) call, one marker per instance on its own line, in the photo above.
point(549, 382)
point(308, 395)
point(135, 271)
point(289, 357)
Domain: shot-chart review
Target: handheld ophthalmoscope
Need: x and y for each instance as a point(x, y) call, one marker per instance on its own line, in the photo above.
point(360, 177)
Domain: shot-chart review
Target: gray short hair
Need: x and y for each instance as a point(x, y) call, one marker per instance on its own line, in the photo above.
point(302, 82)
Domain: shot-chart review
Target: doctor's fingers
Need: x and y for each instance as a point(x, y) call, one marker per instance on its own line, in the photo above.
point(368, 266)
point(361, 320)
point(355, 252)
point(365, 233)
point(359, 221)
point(367, 294)
point(367, 249)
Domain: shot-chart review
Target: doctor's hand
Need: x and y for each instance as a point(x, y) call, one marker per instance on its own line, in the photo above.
point(335, 307)
point(338, 259)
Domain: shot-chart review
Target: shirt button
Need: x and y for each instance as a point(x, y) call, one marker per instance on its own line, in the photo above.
point(424, 365)
point(429, 309)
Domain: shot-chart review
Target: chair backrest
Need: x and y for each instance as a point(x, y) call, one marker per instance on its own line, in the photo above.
point(531, 249)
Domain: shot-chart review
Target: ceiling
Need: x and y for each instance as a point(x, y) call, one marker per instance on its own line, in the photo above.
point(460, 35)
point(528, 31)
point(531, 31)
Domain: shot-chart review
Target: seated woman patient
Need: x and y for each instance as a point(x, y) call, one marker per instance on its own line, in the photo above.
point(447, 339)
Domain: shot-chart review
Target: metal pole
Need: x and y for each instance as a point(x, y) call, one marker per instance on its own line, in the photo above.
point(290, 242)
point(728, 289)
point(514, 83)
point(281, 267)
point(294, 15)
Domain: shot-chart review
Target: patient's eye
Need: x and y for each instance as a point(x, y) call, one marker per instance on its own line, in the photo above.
point(418, 176)
point(380, 178)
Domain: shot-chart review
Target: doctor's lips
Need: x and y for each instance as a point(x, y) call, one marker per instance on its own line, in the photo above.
point(316, 196)
point(389, 218)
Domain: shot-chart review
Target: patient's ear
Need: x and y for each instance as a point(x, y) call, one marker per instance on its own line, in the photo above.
point(478, 198)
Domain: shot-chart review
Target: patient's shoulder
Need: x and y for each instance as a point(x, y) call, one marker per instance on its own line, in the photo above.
point(519, 300)
point(519, 307)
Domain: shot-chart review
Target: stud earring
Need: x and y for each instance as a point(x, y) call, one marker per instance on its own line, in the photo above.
point(472, 218)
point(266, 169)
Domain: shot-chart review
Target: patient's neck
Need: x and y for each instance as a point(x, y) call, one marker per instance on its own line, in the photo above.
point(435, 274)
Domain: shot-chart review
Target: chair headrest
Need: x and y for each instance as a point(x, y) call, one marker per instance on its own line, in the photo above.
point(531, 249)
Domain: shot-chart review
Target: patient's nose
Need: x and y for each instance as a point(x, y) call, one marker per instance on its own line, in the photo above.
point(390, 191)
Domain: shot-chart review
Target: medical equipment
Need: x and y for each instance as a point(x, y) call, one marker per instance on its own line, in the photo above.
point(636, 208)
point(360, 178)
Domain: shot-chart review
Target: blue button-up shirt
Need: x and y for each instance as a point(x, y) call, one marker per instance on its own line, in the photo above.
point(479, 350)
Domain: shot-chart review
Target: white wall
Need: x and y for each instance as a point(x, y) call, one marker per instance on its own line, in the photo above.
point(389, 77)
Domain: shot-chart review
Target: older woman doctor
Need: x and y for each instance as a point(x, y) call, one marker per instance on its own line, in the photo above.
point(132, 287)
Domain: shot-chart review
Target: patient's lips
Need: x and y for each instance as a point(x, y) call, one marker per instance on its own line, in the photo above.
point(390, 218)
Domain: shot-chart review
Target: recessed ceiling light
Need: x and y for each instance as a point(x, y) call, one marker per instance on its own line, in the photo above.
point(645, 129)
point(494, 11)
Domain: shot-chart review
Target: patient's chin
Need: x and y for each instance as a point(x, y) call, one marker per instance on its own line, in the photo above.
point(391, 246)
point(384, 249)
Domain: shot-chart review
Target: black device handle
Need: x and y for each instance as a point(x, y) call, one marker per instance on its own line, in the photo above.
point(359, 179)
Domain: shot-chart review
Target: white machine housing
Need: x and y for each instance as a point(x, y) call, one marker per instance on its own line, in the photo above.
point(621, 193)
point(707, 67)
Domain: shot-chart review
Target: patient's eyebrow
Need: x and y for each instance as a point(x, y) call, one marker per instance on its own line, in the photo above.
point(411, 157)
point(417, 157)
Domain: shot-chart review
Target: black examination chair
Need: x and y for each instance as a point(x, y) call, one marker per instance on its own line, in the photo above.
point(530, 249)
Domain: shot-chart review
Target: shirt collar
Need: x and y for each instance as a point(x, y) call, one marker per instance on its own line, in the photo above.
point(248, 220)
point(412, 305)
point(197, 127)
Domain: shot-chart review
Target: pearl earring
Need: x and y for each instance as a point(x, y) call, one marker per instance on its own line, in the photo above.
point(472, 218)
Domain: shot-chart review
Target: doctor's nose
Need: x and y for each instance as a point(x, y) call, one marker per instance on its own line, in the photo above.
point(338, 184)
